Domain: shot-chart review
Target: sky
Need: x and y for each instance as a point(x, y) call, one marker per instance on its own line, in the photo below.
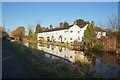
point(60, 0)
point(16, 14)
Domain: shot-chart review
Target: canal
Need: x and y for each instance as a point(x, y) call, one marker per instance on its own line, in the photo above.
point(106, 64)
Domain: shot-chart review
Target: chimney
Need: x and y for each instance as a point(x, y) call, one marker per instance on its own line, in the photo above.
point(61, 24)
point(93, 24)
point(51, 27)
point(75, 23)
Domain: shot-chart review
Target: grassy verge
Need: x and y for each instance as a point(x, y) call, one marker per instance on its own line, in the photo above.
point(41, 67)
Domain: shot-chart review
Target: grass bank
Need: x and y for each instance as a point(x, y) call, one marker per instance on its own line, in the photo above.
point(41, 67)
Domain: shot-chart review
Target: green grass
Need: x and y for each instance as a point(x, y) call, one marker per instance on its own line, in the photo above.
point(39, 66)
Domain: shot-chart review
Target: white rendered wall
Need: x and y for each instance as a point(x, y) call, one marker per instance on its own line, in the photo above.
point(66, 34)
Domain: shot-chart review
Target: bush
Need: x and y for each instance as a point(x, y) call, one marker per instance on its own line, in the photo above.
point(96, 48)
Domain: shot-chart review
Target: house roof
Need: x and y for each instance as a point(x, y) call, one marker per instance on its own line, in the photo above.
point(98, 29)
point(56, 29)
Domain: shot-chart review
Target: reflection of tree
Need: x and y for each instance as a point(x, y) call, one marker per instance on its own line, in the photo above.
point(93, 61)
point(52, 48)
point(60, 49)
point(64, 49)
point(60, 59)
point(50, 56)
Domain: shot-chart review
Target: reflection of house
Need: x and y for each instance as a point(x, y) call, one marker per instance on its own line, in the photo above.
point(67, 35)
point(64, 53)
point(100, 32)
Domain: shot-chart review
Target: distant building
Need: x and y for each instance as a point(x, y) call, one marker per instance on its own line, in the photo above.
point(100, 32)
point(67, 35)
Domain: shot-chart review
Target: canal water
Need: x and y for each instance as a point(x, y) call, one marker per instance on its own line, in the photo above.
point(106, 64)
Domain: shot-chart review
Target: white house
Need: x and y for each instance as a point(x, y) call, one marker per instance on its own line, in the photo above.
point(100, 33)
point(66, 35)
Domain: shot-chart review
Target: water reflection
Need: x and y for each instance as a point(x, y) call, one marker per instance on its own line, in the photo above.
point(107, 65)
point(64, 53)
point(106, 70)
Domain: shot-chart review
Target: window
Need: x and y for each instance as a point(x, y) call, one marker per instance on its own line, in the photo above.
point(71, 31)
point(40, 37)
point(70, 38)
point(70, 56)
point(78, 31)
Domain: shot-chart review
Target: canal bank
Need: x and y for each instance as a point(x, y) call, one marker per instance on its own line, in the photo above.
point(109, 62)
point(40, 66)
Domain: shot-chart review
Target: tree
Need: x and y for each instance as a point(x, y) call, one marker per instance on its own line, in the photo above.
point(86, 22)
point(38, 28)
point(65, 24)
point(112, 23)
point(92, 24)
point(4, 35)
point(21, 31)
point(30, 34)
point(80, 22)
point(118, 37)
point(43, 28)
point(89, 35)
point(113, 28)
point(18, 33)
point(30, 31)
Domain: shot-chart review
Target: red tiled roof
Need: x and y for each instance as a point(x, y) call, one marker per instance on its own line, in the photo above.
point(56, 29)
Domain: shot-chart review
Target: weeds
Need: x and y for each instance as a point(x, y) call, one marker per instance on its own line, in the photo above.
point(39, 66)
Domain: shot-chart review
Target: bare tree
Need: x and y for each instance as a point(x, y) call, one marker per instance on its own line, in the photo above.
point(31, 27)
point(113, 26)
point(101, 24)
point(112, 23)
